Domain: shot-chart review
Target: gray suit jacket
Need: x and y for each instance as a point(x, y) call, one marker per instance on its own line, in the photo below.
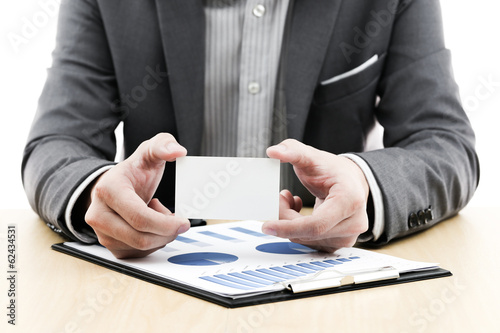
point(142, 62)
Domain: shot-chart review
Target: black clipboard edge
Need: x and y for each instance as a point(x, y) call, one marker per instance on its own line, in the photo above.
point(229, 302)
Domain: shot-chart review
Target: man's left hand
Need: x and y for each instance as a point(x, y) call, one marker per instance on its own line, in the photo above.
point(341, 192)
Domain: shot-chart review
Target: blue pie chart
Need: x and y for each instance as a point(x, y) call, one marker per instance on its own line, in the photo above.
point(284, 248)
point(202, 259)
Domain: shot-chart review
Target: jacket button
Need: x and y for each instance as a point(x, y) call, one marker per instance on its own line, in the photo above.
point(421, 217)
point(412, 221)
point(428, 214)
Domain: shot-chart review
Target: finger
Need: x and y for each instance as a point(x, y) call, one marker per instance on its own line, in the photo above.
point(162, 147)
point(312, 227)
point(293, 202)
point(303, 227)
point(131, 208)
point(120, 250)
point(317, 227)
point(156, 205)
point(287, 206)
point(159, 207)
point(286, 198)
point(296, 153)
point(297, 203)
point(116, 234)
point(114, 244)
point(328, 245)
point(123, 254)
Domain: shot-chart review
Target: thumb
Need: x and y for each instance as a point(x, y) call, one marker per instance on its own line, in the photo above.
point(296, 153)
point(160, 149)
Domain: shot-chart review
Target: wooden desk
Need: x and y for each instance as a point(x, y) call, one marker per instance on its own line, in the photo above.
point(58, 293)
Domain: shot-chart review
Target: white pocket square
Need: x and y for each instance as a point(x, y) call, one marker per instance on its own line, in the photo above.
point(352, 72)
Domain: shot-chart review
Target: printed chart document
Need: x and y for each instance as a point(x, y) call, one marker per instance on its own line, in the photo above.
point(236, 261)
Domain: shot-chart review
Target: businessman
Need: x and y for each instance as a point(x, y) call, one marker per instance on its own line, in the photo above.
point(301, 81)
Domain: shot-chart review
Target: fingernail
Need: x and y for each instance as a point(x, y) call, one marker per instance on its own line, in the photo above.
point(269, 231)
point(183, 228)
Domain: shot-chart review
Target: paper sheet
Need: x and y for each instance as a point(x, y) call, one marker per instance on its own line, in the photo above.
point(237, 260)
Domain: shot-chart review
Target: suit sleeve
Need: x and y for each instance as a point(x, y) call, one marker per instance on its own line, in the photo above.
point(429, 169)
point(72, 134)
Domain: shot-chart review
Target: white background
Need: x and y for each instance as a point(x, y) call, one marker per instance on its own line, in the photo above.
point(472, 33)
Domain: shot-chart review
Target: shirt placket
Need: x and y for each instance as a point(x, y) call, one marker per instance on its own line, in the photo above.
point(254, 114)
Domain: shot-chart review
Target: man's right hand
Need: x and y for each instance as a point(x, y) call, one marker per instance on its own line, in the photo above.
point(122, 212)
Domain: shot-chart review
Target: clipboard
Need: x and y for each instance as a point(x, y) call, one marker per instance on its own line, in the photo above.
point(324, 282)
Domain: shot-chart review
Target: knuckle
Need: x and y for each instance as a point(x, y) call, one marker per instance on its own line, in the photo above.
point(142, 243)
point(165, 136)
point(358, 203)
point(92, 218)
point(143, 145)
point(318, 229)
point(144, 150)
point(151, 153)
point(359, 225)
point(289, 141)
point(105, 241)
point(100, 192)
point(138, 222)
point(303, 160)
point(161, 138)
point(361, 228)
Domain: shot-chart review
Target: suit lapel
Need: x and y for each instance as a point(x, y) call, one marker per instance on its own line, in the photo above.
point(310, 32)
point(182, 26)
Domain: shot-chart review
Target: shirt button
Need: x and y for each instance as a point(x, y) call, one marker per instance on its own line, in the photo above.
point(254, 88)
point(259, 10)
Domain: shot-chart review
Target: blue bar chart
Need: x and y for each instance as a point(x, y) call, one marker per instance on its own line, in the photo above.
point(258, 277)
point(220, 236)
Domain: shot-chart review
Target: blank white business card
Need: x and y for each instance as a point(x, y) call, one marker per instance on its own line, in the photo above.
point(227, 188)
